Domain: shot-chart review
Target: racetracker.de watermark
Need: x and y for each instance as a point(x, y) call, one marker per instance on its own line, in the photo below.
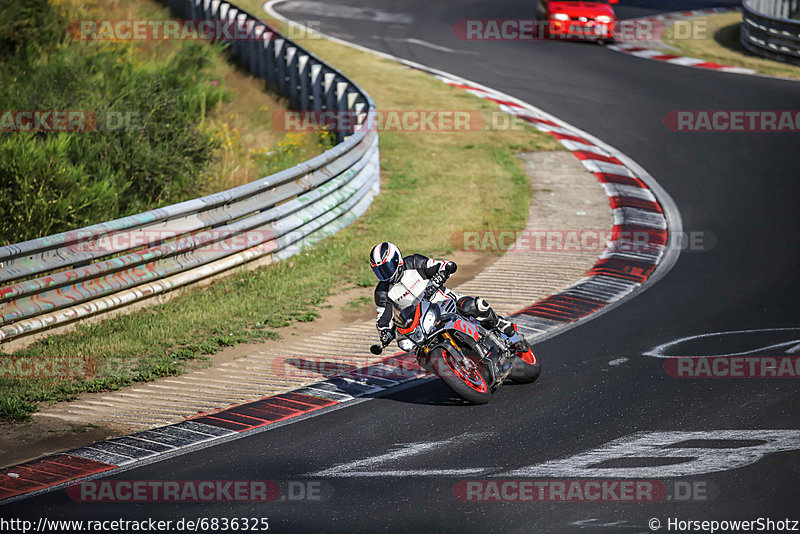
point(642, 240)
point(47, 367)
point(639, 30)
point(187, 30)
point(754, 120)
point(94, 491)
point(210, 241)
point(392, 369)
point(584, 490)
point(413, 120)
point(733, 367)
point(67, 121)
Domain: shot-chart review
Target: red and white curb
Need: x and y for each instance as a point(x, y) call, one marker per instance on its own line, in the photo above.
point(624, 265)
point(639, 205)
point(648, 50)
point(120, 454)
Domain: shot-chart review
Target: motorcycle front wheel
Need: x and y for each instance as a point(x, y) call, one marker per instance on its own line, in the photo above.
point(468, 381)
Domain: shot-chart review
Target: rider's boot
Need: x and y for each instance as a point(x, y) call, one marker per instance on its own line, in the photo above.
point(506, 326)
point(489, 319)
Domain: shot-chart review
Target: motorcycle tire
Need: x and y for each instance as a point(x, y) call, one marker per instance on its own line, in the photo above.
point(472, 387)
point(526, 367)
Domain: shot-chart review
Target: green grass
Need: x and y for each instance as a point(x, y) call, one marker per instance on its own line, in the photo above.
point(433, 184)
point(199, 124)
point(358, 303)
point(53, 182)
point(722, 45)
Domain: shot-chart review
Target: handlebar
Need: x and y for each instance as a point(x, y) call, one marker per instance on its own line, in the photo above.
point(430, 290)
point(377, 349)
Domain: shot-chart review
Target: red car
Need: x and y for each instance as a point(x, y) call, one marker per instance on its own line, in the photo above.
point(580, 20)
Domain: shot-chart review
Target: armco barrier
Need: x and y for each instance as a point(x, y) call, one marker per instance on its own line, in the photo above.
point(73, 275)
point(769, 30)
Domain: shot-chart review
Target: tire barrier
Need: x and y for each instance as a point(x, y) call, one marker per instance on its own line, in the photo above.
point(771, 28)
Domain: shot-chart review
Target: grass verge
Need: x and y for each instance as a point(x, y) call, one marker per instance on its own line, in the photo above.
point(434, 184)
point(722, 45)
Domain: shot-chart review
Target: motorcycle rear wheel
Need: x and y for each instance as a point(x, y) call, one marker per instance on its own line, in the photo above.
point(526, 367)
point(471, 385)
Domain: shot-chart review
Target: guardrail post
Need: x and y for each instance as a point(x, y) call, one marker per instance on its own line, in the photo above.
point(231, 22)
point(280, 65)
point(292, 83)
point(255, 51)
point(224, 7)
point(242, 37)
point(303, 68)
point(268, 58)
point(329, 89)
point(341, 108)
point(316, 86)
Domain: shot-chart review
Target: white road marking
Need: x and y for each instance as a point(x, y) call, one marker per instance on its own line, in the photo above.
point(426, 44)
point(793, 350)
point(365, 467)
point(323, 9)
point(660, 350)
point(618, 361)
point(649, 445)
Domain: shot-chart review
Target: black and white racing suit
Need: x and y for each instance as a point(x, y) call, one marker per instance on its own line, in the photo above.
point(409, 289)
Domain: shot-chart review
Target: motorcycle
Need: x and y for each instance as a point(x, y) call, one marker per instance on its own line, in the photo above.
point(470, 359)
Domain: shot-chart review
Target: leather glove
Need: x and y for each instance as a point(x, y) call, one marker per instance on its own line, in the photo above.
point(439, 278)
point(386, 335)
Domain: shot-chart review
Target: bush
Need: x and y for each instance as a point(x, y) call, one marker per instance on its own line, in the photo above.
point(53, 182)
point(28, 26)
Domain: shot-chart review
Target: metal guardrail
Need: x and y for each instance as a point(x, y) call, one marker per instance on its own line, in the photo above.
point(769, 30)
point(61, 278)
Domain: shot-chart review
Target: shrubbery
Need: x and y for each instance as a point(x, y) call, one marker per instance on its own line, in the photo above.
point(53, 182)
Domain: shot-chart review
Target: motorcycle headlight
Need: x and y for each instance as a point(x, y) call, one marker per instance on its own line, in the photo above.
point(429, 321)
point(560, 16)
point(605, 19)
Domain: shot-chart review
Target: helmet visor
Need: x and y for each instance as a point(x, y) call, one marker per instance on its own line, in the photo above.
point(387, 269)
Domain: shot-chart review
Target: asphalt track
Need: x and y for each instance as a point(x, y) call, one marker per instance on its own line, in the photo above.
point(740, 189)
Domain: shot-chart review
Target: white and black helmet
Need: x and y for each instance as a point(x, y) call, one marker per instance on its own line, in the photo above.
point(387, 262)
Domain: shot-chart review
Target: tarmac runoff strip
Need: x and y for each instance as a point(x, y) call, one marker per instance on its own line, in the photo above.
point(639, 205)
point(649, 50)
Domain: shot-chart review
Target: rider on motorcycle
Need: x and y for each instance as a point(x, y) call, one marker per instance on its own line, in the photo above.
point(403, 281)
